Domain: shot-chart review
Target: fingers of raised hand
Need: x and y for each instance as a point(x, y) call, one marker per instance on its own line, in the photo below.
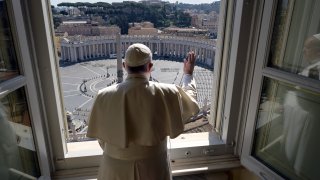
point(191, 57)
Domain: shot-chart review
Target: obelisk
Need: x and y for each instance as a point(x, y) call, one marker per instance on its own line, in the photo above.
point(119, 59)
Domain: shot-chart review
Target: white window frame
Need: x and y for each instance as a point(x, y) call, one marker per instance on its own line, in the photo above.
point(261, 70)
point(233, 81)
point(27, 81)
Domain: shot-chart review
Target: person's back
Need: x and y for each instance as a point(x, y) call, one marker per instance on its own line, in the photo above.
point(132, 120)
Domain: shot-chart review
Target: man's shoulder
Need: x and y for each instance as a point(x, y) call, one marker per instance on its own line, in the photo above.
point(108, 89)
point(164, 86)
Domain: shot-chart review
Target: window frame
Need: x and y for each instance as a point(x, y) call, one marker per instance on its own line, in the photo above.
point(27, 80)
point(229, 106)
point(262, 71)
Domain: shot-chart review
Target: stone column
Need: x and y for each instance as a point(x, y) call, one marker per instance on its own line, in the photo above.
point(86, 52)
point(151, 47)
point(108, 48)
point(100, 50)
point(112, 48)
point(65, 56)
point(72, 53)
point(62, 53)
point(90, 51)
point(157, 44)
point(200, 54)
point(75, 54)
point(69, 54)
point(105, 48)
point(167, 49)
point(175, 49)
point(81, 52)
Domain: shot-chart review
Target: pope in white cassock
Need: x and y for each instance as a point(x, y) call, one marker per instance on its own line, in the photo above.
point(311, 52)
point(132, 120)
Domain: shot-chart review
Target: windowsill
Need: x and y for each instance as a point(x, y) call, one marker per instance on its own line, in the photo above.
point(194, 140)
point(92, 148)
point(85, 148)
point(189, 153)
point(195, 143)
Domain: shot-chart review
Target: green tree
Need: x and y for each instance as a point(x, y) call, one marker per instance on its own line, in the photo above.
point(64, 13)
point(56, 22)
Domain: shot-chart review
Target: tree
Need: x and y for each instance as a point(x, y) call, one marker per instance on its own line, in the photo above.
point(63, 12)
point(161, 15)
point(56, 22)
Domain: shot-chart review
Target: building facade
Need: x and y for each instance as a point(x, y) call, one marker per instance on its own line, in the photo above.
point(86, 28)
point(185, 32)
point(206, 21)
point(143, 28)
point(77, 49)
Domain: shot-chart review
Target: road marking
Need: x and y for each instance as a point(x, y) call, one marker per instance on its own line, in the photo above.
point(84, 103)
point(74, 77)
point(90, 70)
point(71, 91)
point(71, 84)
point(103, 69)
point(93, 85)
point(71, 95)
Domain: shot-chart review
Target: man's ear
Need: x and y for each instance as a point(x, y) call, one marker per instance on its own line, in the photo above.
point(123, 65)
point(150, 65)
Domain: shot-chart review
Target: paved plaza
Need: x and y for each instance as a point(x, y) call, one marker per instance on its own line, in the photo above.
point(82, 81)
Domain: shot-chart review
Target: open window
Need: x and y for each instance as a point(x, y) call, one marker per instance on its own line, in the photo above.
point(88, 54)
point(282, 129)
point(23, 150)
point(217, 149)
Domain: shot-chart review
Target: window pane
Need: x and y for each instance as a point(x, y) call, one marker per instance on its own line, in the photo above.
point(17, 151)
point(287, 130)
point(87, 49)
point(8, 59)
point(295, 45)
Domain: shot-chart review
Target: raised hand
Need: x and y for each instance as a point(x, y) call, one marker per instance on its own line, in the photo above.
point(189, 63)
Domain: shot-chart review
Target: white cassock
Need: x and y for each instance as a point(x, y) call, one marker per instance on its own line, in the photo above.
point(313, 70)
point(132, 119)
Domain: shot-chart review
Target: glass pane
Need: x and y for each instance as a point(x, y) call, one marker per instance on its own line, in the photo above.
point(8, 59)
point(295, 44)
point(17, 151)
point(287, 130)
point(87, 49)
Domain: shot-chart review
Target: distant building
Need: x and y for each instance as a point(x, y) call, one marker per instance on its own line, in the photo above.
point(73, 11)
point(83, 48)
point(108, 30)
point(206, 21)
point(86, 28)
point(148, 2)
point(196, 20)
point(143, 28)
point(187, 32)
point(57, 41)
point(211, 22)
point(75, 28)
point(98, 19)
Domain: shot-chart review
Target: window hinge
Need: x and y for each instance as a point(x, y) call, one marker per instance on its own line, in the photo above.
point(233, 143)
point(60, 160)
point(209, 151)
point(247, 2)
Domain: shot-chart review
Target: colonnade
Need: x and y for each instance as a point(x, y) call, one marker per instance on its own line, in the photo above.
point(76, 50)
